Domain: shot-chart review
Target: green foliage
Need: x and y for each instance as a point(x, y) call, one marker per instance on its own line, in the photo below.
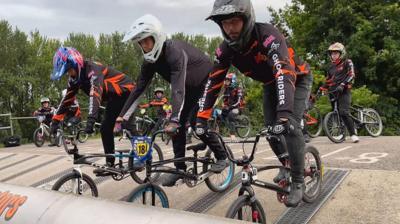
point(370, 30)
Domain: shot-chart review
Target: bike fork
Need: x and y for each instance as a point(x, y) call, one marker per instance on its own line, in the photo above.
point(77, 185)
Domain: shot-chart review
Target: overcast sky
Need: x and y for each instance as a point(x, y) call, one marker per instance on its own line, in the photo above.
point(57, 19)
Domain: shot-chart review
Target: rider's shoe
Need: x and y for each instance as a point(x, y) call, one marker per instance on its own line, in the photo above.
point(102, 171)
point(355, 138)
point(295, 195)
point(280, 176)
point(219, 166)
point(169, 179)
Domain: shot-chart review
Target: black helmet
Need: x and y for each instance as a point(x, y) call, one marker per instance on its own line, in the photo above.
point(224, 9)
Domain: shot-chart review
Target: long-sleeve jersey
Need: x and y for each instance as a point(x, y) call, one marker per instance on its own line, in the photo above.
point(343, 72)
point(180, 64)
point(233, 97)
point(266, 60)
point(100, 83)
point(301, 67)
point(158, 104)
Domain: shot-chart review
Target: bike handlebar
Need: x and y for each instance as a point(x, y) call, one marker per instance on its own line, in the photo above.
point(265, 132)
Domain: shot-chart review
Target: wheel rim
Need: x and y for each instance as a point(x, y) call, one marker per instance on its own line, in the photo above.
point(145, 197)
point(247, 213)
point(312, 175)
point(373, 123)
point(242, 126)
point(71, 187)
point(313, 121)
point(335, 130)
point(223, 179)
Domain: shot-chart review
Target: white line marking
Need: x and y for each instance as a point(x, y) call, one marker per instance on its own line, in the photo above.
point(334, 152)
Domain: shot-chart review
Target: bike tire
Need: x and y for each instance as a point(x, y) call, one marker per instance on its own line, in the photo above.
point(314, 130)
point(244, 126)
point(335, 133)
point(70, 176)
point(139, 195)
point(82, 136)
point(38, 142)
point(235, 211)
point(370, 128)
point(139, 176)
point(313, 171)
point(227, 175)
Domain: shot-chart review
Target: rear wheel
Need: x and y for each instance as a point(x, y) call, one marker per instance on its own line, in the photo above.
point(373, 122)
point(334, 127)
point(39, 137)
point(244, 209)
point(313, 120)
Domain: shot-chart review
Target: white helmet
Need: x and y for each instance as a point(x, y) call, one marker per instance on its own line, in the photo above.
point(145, 26)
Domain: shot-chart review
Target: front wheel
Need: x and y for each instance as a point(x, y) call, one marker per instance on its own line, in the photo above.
point(244, 209)
point(242, 126)
point(334, 127)
point(313, 174)
point(139, 176)
point(373, 122)
point(219, 182)
point(82, 136)
point(149, 194)
point(73, 183)
point(39, 137)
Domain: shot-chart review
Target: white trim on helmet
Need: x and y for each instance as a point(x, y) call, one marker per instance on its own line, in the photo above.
point(145, 26)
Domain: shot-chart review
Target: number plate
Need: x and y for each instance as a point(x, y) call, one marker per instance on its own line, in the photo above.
point(141, 147)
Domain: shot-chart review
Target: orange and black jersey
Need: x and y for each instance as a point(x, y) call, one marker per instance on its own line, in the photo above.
point(343, 72)
point(180, 64)
point(301, 67)
point(266, 60)
point(100, 83)
point(157, 103)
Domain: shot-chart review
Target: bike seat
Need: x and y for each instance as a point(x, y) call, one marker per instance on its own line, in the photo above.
point(122, 150)
point(357, 106)
point(198, 147)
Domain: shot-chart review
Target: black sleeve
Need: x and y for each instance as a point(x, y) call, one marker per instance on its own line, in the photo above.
point(96, 91)
point(144, 79)
point(177, 61)
point(284, 72)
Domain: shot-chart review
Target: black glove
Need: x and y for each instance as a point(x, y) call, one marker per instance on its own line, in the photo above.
point(201, 127)
point(89, 125)
point(54, 126)
point(282, 127)
point(340, 88)
point(172, 128)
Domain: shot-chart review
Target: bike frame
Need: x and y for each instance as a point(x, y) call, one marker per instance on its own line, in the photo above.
point(151, 167)
point(249, 173)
